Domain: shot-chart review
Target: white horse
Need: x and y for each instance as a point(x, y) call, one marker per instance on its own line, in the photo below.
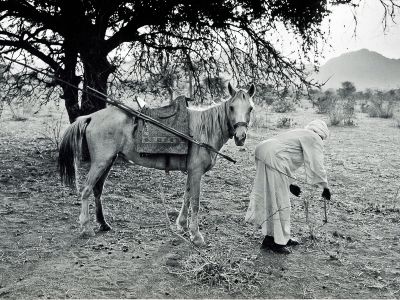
point(108, 133)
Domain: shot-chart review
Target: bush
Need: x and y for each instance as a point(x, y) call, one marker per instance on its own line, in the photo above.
point(284, 122)
point(349, 111)
point(342, 112)
point(323, 102)
point(380, 108)
point(284, 105)
point(335, 112)
point(52, 131)
point(266, 94)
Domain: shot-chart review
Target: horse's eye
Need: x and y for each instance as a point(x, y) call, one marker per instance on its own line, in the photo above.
point(231, 108)
point(250, 108)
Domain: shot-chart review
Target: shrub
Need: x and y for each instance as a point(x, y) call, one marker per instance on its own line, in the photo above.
point(284, 105)
point(335, 112)
point(323, 102)
point(51, 131)
point(380, 108)
point(342, 112)
point(349, 111)
point(266, 94)
point(284, 122)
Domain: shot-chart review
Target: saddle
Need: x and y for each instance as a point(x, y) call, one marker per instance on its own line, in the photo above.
point(151, 139)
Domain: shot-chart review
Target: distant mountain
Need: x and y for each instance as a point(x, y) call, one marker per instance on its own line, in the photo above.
point(366, 69)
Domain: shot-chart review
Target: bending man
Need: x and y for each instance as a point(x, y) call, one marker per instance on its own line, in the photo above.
point(269, 200)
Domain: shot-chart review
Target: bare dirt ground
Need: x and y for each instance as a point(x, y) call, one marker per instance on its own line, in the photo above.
point(355, 255)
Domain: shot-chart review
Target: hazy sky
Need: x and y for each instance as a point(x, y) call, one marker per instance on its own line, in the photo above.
point(369, 31)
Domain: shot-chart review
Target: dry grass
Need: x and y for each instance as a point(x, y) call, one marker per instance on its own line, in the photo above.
point(354, 255)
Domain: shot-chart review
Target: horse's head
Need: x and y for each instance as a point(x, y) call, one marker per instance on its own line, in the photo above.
point(239, 107)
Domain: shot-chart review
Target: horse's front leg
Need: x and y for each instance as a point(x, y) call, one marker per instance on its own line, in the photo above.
point(194, 198)
point(182, 220)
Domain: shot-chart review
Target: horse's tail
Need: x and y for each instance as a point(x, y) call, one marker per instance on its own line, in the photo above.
point(71, 150)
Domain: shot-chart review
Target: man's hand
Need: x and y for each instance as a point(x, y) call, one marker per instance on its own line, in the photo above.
point(326, 194)
point(295, 190)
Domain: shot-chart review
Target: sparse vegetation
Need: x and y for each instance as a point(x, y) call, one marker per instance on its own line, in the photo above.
point(323, 101)
point(285, 122)
point(335, 112)
point(141, 251)
point(339, 104)
point(51, 130)
point(382, 104)
point(284, 105)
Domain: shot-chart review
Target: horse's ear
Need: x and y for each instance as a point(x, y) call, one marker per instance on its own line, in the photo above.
point(252, 90)
point(231, 90)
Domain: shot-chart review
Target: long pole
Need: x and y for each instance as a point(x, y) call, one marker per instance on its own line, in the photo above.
point(103, 97)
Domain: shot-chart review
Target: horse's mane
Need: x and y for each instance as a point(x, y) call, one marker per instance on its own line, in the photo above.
point(205, 123)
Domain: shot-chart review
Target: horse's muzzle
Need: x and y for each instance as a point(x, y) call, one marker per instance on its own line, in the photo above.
point(240, 142)
point(240, 135)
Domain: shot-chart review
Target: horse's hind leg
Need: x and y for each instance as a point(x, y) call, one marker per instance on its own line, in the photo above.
point(97, 191)
point(96, 171)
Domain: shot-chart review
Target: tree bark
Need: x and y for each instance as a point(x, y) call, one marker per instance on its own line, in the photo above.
point(71, 94)
point(97, 69)
point(71, 98)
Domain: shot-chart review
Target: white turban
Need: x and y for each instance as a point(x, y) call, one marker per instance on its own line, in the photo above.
point(319, 127)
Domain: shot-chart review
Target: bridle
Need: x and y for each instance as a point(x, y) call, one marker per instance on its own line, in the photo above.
point(232, 128)
point(236, 125)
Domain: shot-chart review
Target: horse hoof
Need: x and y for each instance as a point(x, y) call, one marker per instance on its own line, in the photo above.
point(87, 233)
point(105, 227)
point(198, 240)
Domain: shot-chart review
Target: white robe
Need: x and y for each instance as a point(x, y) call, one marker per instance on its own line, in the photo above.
point(269, 200)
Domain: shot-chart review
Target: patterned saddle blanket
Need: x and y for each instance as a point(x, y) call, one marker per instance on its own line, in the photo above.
point(151, 139)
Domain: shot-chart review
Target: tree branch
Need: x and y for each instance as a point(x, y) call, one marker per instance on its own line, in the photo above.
point(32, 50)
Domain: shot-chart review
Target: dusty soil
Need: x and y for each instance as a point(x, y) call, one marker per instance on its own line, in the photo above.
point(355, 255)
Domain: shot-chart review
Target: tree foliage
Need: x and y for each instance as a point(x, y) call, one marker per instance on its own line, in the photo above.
point(85, 41)
point(347, 90)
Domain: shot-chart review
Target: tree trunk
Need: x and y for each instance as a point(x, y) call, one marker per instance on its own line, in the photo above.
point(71, 99)
point(71, 95)
point(96, 72)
